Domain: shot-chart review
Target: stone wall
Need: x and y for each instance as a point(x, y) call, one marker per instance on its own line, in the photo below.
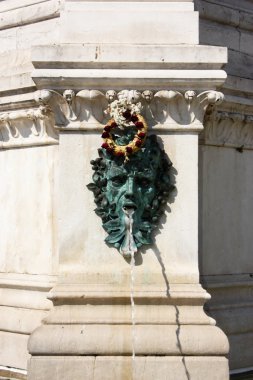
point(226, 182)
point(28, 253)
point(28, 247)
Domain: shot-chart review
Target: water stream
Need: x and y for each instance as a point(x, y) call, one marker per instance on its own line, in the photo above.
point(132, 306)
point(132, 297)
point(128, 249)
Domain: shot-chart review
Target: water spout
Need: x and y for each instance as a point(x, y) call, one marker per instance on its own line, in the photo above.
point(128, 246)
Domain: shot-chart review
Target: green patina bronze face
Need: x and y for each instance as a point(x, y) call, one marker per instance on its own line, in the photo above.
point(130, 196)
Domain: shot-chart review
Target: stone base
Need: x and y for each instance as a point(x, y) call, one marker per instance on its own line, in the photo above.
point(124, 368)
point(89, 337)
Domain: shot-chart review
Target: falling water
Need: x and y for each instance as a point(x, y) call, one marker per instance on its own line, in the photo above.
point(132, 312)
point(128, 249)
point(132, 294)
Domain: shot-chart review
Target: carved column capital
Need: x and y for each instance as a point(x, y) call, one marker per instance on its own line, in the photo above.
point(163, 110)
point(29, 127)
point(230, 129)
point(86, 110)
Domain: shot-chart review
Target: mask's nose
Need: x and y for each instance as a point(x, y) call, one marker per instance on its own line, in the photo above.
point(130, 188)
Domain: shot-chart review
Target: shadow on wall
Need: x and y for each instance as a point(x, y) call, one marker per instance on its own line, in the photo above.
point(159, 258)
point(171, 199)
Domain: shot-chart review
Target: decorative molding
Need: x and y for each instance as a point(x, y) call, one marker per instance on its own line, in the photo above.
point(10, 372)
point(29, 127)
point(231, 303)
point(29, 13)
point(163, 110)
point(229, 129)
point(86, 110)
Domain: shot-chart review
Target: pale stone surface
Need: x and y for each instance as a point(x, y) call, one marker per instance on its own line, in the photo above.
point(116, 340)
point(125, 22)
point(87, 265)
point(128, 55)
point(15, 68)
point(134, 66)
point(148, 368)
point(29, 210)
point(8, 5)
point(22, 37)
point(23, 306)
point(93, 288)
point(115, 78)
point(181, 264)
point(29, 14)
point(20, 320)
point(13, 349)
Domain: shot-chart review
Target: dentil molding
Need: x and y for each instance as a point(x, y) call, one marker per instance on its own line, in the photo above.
point(164, 110)
point(229, 129)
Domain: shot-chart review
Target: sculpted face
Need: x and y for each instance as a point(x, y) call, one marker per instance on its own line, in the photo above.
point(130, 196)
point(129, 187)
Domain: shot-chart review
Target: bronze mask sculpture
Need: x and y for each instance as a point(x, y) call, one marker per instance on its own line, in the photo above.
point(131, 181)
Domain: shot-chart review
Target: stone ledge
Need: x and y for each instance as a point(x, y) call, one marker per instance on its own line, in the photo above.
point(12, 373)
point(123, 368)
point(107, 66)
point(122, 56)
point(69, 339)
point(29, 14)
point(121, 78)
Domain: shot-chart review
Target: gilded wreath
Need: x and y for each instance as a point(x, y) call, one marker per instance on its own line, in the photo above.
point(125, 116)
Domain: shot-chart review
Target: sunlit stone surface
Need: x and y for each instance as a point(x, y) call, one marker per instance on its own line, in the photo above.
point(81, 55)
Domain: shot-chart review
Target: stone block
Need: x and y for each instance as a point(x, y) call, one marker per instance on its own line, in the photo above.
point(125, 368)
point(246, 38)
point(29, 14)
point(13, 349)
point(29, 210)
point(128, 22)
point(220, 169)
point(23, 37)
point(212, 32)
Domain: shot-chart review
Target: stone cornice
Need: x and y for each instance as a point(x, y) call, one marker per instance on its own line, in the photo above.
point(28, 127)
point(229, 129)
point(128, 65)
point(164, 110)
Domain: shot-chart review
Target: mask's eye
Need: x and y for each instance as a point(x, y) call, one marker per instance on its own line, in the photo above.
point(143, 181)
point(119, 180)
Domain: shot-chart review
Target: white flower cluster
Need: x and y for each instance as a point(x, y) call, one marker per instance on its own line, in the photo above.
point(117, 109)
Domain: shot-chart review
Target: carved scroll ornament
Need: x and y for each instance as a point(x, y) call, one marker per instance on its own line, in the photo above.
point(87, 108)
point(35, 126)
point(228, 129)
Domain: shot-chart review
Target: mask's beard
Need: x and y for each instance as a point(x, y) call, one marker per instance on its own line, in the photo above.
point(124, 233)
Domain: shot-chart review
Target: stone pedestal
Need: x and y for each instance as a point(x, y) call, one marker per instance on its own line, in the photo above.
point(89, 334)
